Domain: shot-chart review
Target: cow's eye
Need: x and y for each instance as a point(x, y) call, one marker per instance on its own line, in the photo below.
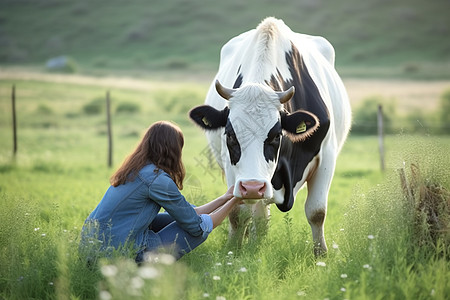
point(232, 144)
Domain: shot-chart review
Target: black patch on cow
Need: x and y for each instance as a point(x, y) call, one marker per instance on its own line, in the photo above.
point(294, 157)
point(208, 117)
point(234, 148)
point(238, 82)
point(282, 177)
point(272, 142)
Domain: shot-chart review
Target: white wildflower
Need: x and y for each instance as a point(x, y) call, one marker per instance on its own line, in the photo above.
point(205, 295)
point(36, 229)
point(221, 298)
point(109, 270)
point(230, 252)
point(218, 264)
point(370, 237)
point(335, 246)
point(343, 289)
point(301, 293)
point(148, 272)
point(105, 295)
point(343, 275)
point(43, 235)
point(321, 264)
point(167, 259)
point(243, 269)
point(215, 277)
point(136, 283)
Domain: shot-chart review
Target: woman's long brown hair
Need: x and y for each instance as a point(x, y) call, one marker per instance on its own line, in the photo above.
point(161, 145)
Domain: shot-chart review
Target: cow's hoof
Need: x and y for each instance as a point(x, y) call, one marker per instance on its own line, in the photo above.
point(320, 251)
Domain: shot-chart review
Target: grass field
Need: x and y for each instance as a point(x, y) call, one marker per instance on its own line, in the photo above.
point(60, 174)
point(372, 38)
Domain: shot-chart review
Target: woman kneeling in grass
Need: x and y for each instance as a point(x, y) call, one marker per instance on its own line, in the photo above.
point(151, 178)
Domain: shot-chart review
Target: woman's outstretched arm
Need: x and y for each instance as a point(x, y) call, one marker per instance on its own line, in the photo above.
point(215, 204)
point(220, 214)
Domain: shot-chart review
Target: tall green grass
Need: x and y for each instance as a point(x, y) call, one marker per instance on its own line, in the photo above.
point(60, 174)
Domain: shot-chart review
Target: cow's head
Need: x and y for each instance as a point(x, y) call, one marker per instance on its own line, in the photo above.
point(253, 124)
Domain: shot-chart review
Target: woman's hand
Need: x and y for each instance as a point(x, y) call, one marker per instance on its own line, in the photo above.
point(229, 194)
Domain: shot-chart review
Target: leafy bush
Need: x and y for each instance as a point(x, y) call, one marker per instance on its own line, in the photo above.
point(94, 107)
point(444, 112)
point(365, 116)
point(128, 107)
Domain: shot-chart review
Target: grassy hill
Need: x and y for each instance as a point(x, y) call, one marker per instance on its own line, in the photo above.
point(404, 36)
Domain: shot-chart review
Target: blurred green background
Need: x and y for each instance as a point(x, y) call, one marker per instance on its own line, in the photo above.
point(372, 38)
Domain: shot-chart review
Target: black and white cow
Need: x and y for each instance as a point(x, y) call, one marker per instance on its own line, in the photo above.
point(276, 116)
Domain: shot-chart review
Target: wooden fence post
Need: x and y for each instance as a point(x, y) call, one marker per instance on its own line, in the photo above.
point(380, 136)
point(13, 100)
point(108, 118)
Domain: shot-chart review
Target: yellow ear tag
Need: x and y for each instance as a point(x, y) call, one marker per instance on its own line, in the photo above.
point(206, 122)
point(301, 127)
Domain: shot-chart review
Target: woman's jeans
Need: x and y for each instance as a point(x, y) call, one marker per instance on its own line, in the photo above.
point(172, 236)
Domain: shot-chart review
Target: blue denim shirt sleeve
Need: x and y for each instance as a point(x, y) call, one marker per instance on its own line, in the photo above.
point(164, 191)
point(206, 225)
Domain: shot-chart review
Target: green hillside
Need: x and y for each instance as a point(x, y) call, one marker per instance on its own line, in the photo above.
point(139, 35)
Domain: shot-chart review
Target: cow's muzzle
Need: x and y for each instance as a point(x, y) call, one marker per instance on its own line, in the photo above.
point(252, 189)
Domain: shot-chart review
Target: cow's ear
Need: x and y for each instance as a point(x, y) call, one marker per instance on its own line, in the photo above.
point(208, 117)
point(299, 125)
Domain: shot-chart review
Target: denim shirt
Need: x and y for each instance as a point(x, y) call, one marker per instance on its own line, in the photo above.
point(124, 214)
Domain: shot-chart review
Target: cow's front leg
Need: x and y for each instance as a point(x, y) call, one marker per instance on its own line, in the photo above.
point(316, 202)
point(239, 218)
point(260, 220)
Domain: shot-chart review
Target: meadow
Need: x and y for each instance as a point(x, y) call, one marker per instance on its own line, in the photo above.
point(60, 173)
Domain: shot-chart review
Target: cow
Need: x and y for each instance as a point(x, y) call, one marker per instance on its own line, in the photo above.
point(276, 117)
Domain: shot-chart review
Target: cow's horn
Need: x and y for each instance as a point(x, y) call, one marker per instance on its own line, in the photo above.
point(226, 93)
point(286, 95)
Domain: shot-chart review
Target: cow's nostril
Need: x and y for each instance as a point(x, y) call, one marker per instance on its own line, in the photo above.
point(252, 189)
point(262, 190)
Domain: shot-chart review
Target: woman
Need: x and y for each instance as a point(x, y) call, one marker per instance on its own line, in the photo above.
point(150, 179)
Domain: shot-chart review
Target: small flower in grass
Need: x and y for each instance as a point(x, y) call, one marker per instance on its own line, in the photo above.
point(301, 293)
point(148, 272)
point(50, 283)
point(321, 264)
point(218, 264)
point(105, 295)
point(109, 270)
point(43, 235)
point(221, 298)
point(230, 252)
point(344, 275)
point(343, 289)
point(367, 266)
point(229, 263)
point(243, 270)
point(335, 246)
point(370, 237)
point(215, 277)
point(36, 229)
point(136, 283)
point(205, 295)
